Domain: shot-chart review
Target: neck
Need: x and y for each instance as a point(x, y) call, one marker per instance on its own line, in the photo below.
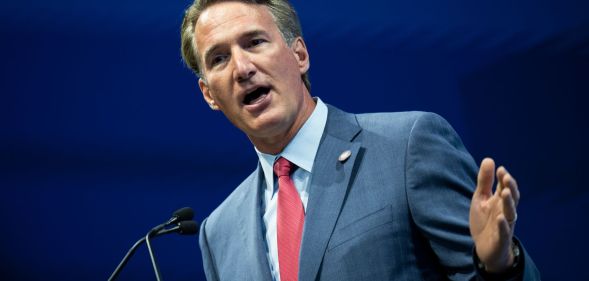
point(275, 144)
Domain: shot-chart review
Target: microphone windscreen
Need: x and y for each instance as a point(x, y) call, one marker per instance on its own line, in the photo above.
point(188, 227)
point(183, 214)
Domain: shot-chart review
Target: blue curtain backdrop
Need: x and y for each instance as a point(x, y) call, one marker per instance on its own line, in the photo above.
point(104, 132)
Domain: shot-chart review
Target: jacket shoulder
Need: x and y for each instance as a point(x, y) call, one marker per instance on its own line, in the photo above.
point(395, 122)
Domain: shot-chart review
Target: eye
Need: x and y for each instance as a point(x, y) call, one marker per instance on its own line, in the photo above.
point(217, 59)
point(256, 42)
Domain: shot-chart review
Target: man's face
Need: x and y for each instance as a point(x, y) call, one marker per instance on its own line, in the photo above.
point(251, 74)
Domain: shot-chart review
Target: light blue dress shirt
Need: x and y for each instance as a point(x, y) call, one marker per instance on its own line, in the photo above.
point(301, 151)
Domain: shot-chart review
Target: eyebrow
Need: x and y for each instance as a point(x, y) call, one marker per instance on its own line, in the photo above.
point(248, 34)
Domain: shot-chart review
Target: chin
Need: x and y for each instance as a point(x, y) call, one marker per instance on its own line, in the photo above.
point(269, 128)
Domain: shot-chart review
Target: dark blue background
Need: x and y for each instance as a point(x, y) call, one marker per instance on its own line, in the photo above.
point(104, 132)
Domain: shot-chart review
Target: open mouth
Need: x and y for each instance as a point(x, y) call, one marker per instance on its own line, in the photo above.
point(255, 95)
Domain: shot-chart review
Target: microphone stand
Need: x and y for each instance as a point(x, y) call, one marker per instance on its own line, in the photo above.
point(182, 217)
point(126, 259)
point(184, 228)
point(153, 232)
point(156, 268)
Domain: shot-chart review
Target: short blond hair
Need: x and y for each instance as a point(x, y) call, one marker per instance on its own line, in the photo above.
point(282, 11)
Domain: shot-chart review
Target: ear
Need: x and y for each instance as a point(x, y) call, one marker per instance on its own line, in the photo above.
point(301, 54)
point(206, 94)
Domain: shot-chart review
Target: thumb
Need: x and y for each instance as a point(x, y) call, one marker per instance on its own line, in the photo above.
point(485, 178)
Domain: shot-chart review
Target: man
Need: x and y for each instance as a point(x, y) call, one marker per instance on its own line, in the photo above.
point(352, 197)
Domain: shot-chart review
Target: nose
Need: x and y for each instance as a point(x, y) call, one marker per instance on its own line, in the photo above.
point(244, 69)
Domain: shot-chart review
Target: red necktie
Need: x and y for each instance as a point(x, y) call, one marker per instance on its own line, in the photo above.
point(290, 221)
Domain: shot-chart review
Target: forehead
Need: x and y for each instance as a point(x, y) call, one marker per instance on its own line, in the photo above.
point(227, 20)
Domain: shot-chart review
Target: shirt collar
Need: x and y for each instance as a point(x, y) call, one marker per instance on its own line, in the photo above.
point(302, 148)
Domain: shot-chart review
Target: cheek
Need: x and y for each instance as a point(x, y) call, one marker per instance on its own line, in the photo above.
point(290, 66)
point(281, 71)
point(219, 89)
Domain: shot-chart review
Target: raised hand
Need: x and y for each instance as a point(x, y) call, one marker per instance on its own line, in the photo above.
point(493, 216)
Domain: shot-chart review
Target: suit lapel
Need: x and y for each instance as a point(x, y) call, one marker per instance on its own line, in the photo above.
point(328, 189)
point(253, 233)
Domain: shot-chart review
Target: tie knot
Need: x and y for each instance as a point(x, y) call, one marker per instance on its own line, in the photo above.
point(283, 167)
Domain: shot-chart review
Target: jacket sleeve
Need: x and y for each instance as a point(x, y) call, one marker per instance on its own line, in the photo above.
point(440, 180)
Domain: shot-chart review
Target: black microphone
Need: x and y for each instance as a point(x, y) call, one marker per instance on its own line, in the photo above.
point(184, 226)
point(182, 214)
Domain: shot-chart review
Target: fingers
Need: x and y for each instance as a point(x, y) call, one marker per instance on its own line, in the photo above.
point(508, 205)
point(505, 229)
point(509, 193)
point(485, 178)
point(506, 181)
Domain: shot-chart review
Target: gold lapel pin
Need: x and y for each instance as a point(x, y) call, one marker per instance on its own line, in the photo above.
point(344, 156)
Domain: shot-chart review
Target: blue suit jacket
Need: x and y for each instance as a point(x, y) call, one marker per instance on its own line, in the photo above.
point(397, 209)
